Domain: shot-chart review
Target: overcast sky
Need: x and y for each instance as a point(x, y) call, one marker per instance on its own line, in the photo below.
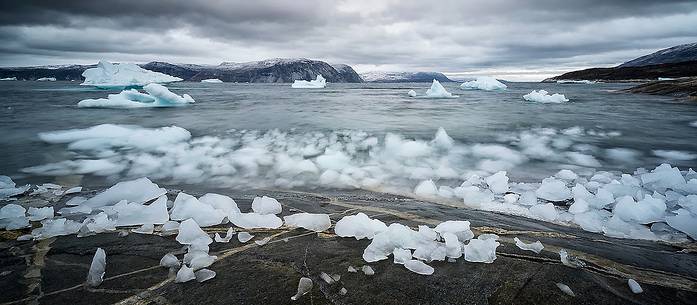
point(518, 39)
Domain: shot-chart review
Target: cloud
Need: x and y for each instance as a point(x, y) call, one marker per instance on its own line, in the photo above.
point(447, 35)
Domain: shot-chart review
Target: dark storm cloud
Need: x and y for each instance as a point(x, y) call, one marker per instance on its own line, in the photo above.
point(446, 35)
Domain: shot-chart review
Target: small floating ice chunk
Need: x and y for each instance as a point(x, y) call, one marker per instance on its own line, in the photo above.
point(244, 237)
point(498, 183)
point(12, 211)
point(312, 222)
point(156, 96)
point(418, 267)
point(187, 206)
point(684, 221)
point(254, 220)
point(139, 190)
point(565, 289)
point(481, 250)
point(190, 232)
point(131, 214)
point(351, 269)
point(204, 275)
point(266, 205)
point(170, 227)
point(546, 212)
point(367, 270)
point(169, 261)
point(73, 190)
point(426, 189)
point(442, 140)
point(534, 247)
point(46, 79)
point(569, 260)
point(317, 83)
point(184, 274)
point(304, 286)
point(114, 76)
point(359, 226)
point(553, 189)
point(56, 227)
point(211, 80)
point(461, 229)
point(201, 260)
point(228, 236)
point(634, 286)
point(486, 83)
point(438, 91)
point(263, 241)
point(401, 256)
point(645, 211)
point(147, 228)
point(343, 291)
point(95, 276)
point(543, 96)
point(411, 93)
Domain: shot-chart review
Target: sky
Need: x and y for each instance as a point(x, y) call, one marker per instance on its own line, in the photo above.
point(515, 40)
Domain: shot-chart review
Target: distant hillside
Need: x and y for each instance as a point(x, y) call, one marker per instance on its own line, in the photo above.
point(404, 77)
point(678, 61)
point(265, 71)
point(681, 53)
point(631, 74)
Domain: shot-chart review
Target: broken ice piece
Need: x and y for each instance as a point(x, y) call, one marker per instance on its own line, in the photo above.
point(304, 286)
point(324, 276)
point(25, 237)
point(184, 274)
point(263, 241)
point(343, 290)
point(534, 247)
point(634, 286)
point(569, 260)
point(418, 267)
point(169, 261)
point(367, 270)
point(244, 237)
point(189, 232)
point(97, 268)
point(73, 190)
point(401, 256)
point(566, 289)
point(37, 214)
point(204, 275)
point(170, 227)
point(147, 228)
point(351, 269)
point(228, 236)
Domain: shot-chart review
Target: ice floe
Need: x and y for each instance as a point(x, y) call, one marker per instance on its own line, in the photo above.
point(318, 82)
point(114, 76)
point(211, 80)
point(486, 83)
point(312, 222)
point(155, 96)
point(543, 96)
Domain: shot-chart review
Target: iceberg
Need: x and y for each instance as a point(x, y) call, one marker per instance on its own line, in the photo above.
point(312, 222)
point(120, 76)
point(486, 83)
point(543, 96)
point(438, 91)
point(156, 96)
point(211, 80)
point(634, 286)
point(46, 79)
point(319, 82)
point(169, 261)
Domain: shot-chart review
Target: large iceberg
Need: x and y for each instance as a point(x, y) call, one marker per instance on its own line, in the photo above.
point(486, 83)
point(438, 91)
point(156, 96)
point(114, 76)
point(319, 82)
point(543, 96)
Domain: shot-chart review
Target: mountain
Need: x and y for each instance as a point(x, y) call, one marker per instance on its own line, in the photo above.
point(404, 77)
point(681, 53)
point(279, 70)
point(674, 62)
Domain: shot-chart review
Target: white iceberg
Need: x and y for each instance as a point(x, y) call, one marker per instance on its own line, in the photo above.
point(119, 76)
point(438, 91)
point(319, 82)
point(139, 190)
point(543, 96)
point(156, 96)
point(411, 93)
point(211, 80)
point(46, 79)
point(312, 222)
point(486, 83)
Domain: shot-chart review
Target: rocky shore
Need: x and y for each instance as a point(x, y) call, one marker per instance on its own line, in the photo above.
point(682, 88)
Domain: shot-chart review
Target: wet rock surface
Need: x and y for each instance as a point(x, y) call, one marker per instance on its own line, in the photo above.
point(53, 271)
